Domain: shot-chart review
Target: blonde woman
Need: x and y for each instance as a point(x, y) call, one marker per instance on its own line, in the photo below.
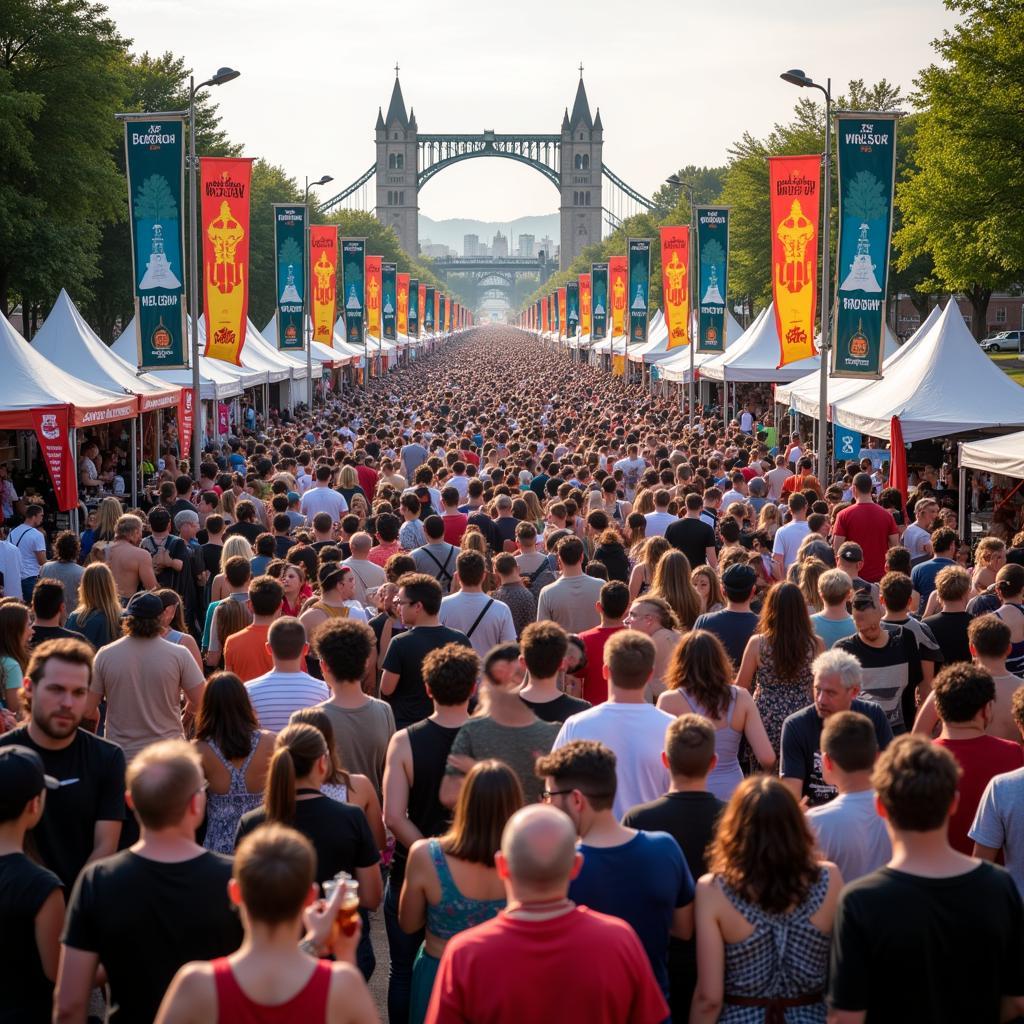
point(673, 582)
point(234, 545)
point(97, 615)
point(989, 558)
point(107, 516)
point(810, 571)
point(359, 507)
point(534, 513)
point(642, 576)
point(768, 519)
point(348, 483)
point(644, 501)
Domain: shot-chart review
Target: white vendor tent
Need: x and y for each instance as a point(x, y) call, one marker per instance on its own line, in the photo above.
point(674, 363)
point(1002, 455)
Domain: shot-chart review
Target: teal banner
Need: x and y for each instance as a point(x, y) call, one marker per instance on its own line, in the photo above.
point(867, 169)
point(353, 263)
point(712, 276)
point(537, 322)
point(155, 163)
point(414, 308)
point(290, 273)
point(428, 312)
point(389, 301)
point(572, 307)
point(555, 319)
point(638, 291)
point(442, 312)
point(599, 301)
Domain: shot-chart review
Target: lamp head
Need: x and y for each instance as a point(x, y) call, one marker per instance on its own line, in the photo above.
point(796, 77)
point(324, 180)
point(224, 75)
point(673, 179)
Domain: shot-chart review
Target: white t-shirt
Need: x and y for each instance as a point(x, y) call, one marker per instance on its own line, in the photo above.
point(746, 421)
point(795, 455)
point(788, 539)
point(915, 538)
point(28, 540)
point(10, 566)
point(631, 472)
point(275, 695)
point(323, 499)
point(658, 523)
point(851, 834)
point(459, 611)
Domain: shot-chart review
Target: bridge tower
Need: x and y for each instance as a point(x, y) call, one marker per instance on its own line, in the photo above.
point(581, 148)
point(397, 181)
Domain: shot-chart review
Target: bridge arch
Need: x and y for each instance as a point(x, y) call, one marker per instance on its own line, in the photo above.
point(549, 172)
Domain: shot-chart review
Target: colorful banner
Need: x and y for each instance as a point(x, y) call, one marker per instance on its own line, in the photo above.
point(794, 184)
point(389, 300)
point(563, 317)
point(584, 287)
point(223, 419)
point(54, 436)
point(845, 443)
point(639, 290)
point(675, 283)
point(414, 307)
point(867, 174)
point(402, 302)
point(186, 419)
point(442, 312)
point(290, 272)
point(374, 287)
point(572, 308)
point(353, 276)
point(599, 302)
point(427, 294)
point(617, 285)
point(712, 276)
point(323, 293)
point(155, 164)
point(545, 315)
point(224, 206)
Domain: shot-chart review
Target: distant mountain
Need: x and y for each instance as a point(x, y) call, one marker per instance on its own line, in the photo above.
point(452, 232)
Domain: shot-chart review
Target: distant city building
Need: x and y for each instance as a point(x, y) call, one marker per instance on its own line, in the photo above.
point(525, 247)
point(470, 245)
point(499, 248)
point(548, 247)
point(434, 250)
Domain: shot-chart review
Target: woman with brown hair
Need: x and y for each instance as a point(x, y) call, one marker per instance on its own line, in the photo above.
point(451, 883)
point(810, 571)
point(764, 914)
point(647, 561)
point(15, 632)
point(97, 616)
point(672, 581)
point(777, 659)
point(174, 624)
point(107, 515)
point(707, 584)
point(699, 681)
point(229, 617)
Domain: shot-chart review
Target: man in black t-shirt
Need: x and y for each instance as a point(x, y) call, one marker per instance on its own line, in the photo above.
point(734, 624)
point(949, 626)
point(694, 537)
point(543, 647)
point(48, 609)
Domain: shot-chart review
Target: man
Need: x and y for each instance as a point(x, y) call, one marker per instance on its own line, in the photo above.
point(571, 600)
point(30, 541)
point(660, 519)
point(411, 534)
point(401, 681)
point(49, 612)
point(950, 625)
point(612, 605)
point(850, 558)
point(777, 477)
point(368, 575)
point(737, 491)
point(989, 639)
point(167, 551)
point(82, 818)
point(735, 624)
point(632, 467)
point(630, 727)
point(640, 877)
point(896, 592)
point(484, 620)
point(413, 455)
point(416, 762)
point(833, 622)
point(321, 497)
point(534, 566)
point(837, 684)
point(804, 479)
point(504, 523)
point(944, 544)
point(337, 598)
point(143, 678)
point(246, 522)
point(436, 557)
point(194, 574)
point(543, 647)
point(386, 527)
point(237, 576)
point(917, 537)
point(513, 593)
point(245, 652)
point(323, 531)
point(459, 483)
point(848, 828)
point(688, 813)
point(694, 537)
point(492, 972)
point(968, 971)
point(163, 873)
point(131, 565)
point(788, 538)
point(287, 687)
point(10, 567)
point(362, 725)
point(183, 493)
point(455, 522)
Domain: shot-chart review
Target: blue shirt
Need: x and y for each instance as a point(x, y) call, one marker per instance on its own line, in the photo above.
point(642, 882)
point(923, 576)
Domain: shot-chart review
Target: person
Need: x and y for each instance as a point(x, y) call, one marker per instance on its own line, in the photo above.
point(235, 754)
point(543, 648)
point(990, 641)
point(287, 686)
point(492, 972)
point(837, 685)
point(689, 813)
point(321, 497)
point(972, 972)
point(65, 567)
point(734, 624)
point(173, 623)
point(922, 575)
point(896, 592)
point(368, 575)
point(411, 534)
point(917, 537)
point(142, 677)
point(271, 976)
point(949, 626)
point(630, 727)
point(647, 555)
point(640, 877)
point(416, 761)
point(31, 897)
point(653, 615)
point(612, 605)
point(1009, 586)
point(764, 912)
point(866, 524)
point(10, 570)
point(97, 616)
point(151, 882)
point(15, 633)
point(436, 557)
point(512, 592)
point(834, 621)
point(450, 882)
point(401, 681)
point(483, 620)
point(572, 599)
point(246, 652)
point(336, 602)
point(131, 565)
point(48, 612)
point(848, 828)
point(30, 541)
point(700, 682)
point(673, 583)
point(660, 519)
point(691, 535)
point(169, 553)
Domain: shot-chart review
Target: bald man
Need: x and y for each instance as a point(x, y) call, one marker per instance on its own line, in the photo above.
point(491, 974)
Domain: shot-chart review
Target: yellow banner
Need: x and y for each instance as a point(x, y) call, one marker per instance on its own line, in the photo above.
point(675, 289)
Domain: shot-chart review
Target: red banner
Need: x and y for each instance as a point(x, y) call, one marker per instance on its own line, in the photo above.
point(186, 412)
point(224, 191)
point(794, 184)
point(402, 287)
point(373, 290)
point(545, 316)
point(53, 434)
point(323, 293)
point(617, 274)
point(584, 304)
point(563, 325)
point(675, 283)
point(223, 418)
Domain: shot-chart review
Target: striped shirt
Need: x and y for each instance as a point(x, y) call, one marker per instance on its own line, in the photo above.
point(276, 695)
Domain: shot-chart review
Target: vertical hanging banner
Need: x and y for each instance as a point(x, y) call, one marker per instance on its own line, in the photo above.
point(224, 191)
point(442, 312)
point(867, 174)
point(290, 273)
point(323, 293)
point(584, 286)
point(675, 283)
point(428, 307)
point(53, 433)
point(374, 287)
point(572, 308)
point(794, 184)
point(414, 308)
point(186, 419)
point(353, 276)
point(402, 302)
point(618, 273)
point(155, 164)
point(712, 276)
point(639, 291)
point(599, 302)
point(563, 318)
point(545, 316)
point(389, 301)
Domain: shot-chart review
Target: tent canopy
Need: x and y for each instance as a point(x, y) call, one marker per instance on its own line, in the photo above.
point(293, 358)
point(1003, 455)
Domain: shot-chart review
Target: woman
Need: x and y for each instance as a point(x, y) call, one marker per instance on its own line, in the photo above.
point(810, 571)
point(699, 681)
point(174, 624)
point(97, 615)
point(768, 520)
point(65, 566)
point(233, 546)
point(107, 515)
point(534, 513)
point(777, 659)
point(611, 553)
point(764, 914)
point(636, 531)
point(348, 484)
point(1010, 588)
point(15, 633)
point(360, 508)
point(653, 615)
point(451, 883)
point(672, 582)
point(709, 587)
point(229, 617)
point(989, 558)
point(235, 752)
point(292, 578)
point(341, 785)
point(641, 577)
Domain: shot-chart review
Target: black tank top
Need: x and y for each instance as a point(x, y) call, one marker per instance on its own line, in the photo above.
point(430, 744)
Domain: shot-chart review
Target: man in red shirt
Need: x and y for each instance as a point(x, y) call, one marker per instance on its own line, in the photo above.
point(612, 606)
point(964, 697)
point(455, 522)
point(543, 958)
point(367, 475)
point(869, 525)
point(803, 480)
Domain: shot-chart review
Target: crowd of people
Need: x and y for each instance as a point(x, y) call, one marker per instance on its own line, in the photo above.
point(608, 718)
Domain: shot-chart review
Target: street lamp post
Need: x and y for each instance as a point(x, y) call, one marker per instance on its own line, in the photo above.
point(677, 182)
point(223, 75)
point(305, 293)
point(797, 77)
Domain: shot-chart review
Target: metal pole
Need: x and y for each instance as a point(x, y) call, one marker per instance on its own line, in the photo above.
point(689, 305)
point(197, 431)
point(136, 461)
point(826, 305)
point(305, 307)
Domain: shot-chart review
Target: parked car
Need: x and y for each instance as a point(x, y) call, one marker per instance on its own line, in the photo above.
point(1004, 341)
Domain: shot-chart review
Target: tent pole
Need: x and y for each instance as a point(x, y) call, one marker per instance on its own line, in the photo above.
point(135, 459)
point(962, 511)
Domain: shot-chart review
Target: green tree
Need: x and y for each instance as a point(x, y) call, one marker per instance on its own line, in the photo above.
point(707, 187)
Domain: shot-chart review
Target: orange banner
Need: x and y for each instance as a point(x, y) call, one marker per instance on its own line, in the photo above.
point(675, 283)
point(323, 295)
point(617, 275)
point(224, 206)
point(373, 290)
point(794, 183)
point(422, 307)
point(402, 288)
point(584, 304)
point(545, 317)
point(563, 323)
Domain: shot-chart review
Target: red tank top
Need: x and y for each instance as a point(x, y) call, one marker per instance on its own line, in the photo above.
point(308, 1005)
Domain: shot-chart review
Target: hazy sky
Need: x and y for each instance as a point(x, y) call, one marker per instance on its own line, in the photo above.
point(677, 81)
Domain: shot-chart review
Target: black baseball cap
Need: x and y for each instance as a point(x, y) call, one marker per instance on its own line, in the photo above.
point(144, 606)
point(21, 778)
